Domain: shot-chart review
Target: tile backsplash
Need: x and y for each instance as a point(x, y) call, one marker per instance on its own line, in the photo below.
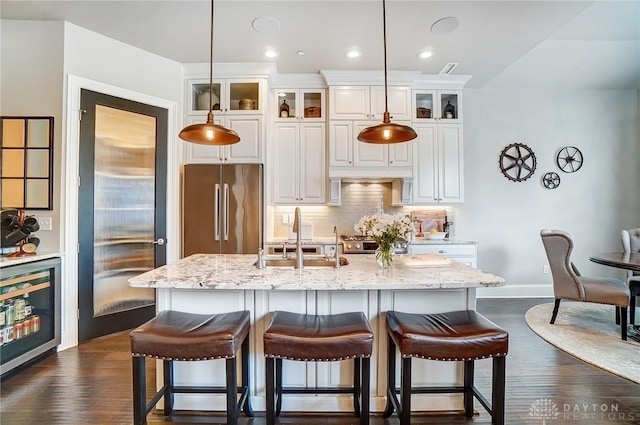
point(358, 199)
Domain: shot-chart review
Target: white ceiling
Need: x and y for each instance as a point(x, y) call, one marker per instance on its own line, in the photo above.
point(526, 44)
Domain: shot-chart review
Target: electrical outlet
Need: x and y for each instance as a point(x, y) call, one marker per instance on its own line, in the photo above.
point(545, 269)
point(285, 219)
point(45, 223)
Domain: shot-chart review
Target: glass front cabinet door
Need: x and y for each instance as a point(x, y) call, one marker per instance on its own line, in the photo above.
point(436, 105)
point(299, 104)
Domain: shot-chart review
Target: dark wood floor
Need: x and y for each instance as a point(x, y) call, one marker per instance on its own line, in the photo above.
point(91, 384)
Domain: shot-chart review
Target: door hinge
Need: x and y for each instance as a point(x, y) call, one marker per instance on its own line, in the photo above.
point(78, 247)
point(78, 312)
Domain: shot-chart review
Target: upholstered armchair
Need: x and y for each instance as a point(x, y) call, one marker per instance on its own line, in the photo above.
point(569, 284)
point(631, 243)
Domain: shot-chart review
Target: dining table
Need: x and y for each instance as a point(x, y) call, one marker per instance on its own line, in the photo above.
point(621, 260)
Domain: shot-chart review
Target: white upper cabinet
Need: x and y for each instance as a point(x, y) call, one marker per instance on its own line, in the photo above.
point(437, 106)
point(438, 167)
point(231, 95)
point(299, 166)
point(367, 103)
point(299, 105)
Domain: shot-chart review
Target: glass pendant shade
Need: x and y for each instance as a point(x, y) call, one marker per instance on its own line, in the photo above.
point(386, 132)
point(209, 133)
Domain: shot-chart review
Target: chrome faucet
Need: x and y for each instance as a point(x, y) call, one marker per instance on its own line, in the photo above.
point(337, 251)
point(297, 227)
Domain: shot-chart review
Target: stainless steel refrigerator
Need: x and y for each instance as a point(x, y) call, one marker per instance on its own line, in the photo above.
point(222, 209)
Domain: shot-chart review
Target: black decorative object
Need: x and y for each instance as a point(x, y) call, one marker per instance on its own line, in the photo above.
point(517, 162)
point(449, 111)
point(569, 159)
point(284, 109)
point(17, 230)
point(551, 180)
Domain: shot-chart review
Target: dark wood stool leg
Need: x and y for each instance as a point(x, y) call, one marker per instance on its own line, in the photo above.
point(357, 387)
point(364, 390)
point(405, 390)
point(623, 323)
point(391, 376)
point(167, 373)
point(556, 307)
point(278, 386)
point(232, 392)
point(498, 390)
point(270, 390)
point(246, 405)
point(632, 313)
point(617, 315)
point(468, 387)
point(139, 391)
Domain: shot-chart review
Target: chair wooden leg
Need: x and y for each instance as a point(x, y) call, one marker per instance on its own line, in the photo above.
point(139, 391)
point(278, 386)
point(617, 315)
point(167, 371)
point(623, 323)
point(364, 390)
point(405, 390)
point(357, 380)
point(498, 390)
point(555, 311)
point(391, 376)
point(270, 390)
point(468, 388)
point(632, 312)
point(232, 392)
point(246, 406)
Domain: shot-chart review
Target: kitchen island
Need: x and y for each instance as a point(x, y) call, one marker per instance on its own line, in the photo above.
point(209, 283)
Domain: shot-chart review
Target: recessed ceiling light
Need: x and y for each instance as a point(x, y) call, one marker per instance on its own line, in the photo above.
point(270, 53)
point(265, 25)
point(300, 53)
point(445, 25)
point(424, 54)
point(353, 53)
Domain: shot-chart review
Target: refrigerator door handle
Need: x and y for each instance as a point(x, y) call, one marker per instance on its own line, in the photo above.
point(226, 212)
point(216, 212)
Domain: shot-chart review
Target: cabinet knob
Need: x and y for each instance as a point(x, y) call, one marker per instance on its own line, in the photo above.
point(390, 162)
point(442, 251)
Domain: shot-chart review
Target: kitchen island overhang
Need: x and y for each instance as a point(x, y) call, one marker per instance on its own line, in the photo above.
point(215, 283)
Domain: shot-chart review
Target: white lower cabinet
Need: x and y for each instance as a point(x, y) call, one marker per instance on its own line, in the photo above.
point(438, 165)
point(373, 303)
point(462, 253)
point(299, 167)
point(247, 151)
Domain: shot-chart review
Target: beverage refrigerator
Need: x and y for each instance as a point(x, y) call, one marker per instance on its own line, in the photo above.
point(222, 209)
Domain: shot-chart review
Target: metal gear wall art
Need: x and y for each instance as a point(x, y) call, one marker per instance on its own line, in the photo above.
point(551, 180)
point(569, 159)
point(517, 162)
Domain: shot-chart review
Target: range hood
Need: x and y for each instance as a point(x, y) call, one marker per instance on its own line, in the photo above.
point(401, 188)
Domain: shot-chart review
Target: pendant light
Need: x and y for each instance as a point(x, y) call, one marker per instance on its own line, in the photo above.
point(386, 132)
point(209, 133)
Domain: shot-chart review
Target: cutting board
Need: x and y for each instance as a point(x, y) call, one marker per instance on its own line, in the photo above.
point(424, 260)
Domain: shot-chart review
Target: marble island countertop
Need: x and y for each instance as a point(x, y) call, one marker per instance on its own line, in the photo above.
point(237, 271)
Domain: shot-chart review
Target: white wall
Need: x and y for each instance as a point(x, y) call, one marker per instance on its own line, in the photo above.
point(31, 84)
point(593, 203)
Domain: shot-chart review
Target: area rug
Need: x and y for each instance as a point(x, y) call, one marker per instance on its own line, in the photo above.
point(588, 331)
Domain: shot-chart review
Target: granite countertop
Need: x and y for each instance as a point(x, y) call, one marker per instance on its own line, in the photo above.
point(6, 261)
point(317, 240)
point(237, 271)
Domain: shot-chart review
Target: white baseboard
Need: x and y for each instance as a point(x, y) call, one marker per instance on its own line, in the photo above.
point(516, 291)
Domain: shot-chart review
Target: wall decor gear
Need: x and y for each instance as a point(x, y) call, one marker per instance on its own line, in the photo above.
point(569, 159)
point(551, 180)
point(517, 162)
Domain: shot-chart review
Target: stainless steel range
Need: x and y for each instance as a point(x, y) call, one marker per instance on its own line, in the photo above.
point(359, 244)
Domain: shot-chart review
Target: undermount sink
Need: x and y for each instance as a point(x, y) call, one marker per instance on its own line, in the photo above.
point(307, 262)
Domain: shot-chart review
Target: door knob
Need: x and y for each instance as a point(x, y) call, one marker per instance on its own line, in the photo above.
point(159, 241)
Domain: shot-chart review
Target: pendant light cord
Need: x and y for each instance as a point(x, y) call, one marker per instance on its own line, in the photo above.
point(384, 37)
point(211, 64)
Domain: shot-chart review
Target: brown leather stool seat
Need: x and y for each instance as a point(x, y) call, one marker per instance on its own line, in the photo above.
point(320, 338)
point(178, 336)
point(454, 336)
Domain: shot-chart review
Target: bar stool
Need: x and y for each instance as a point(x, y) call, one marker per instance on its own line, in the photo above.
point(319, 338)
point(178, 336)
point(455, 336)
